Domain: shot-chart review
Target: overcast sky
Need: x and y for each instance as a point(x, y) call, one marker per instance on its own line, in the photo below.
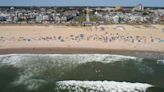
point(80, 2)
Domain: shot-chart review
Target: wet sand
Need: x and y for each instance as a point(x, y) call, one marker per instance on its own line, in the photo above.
point(141, 54)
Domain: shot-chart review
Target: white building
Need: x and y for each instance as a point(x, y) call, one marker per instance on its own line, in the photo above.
point(39, 18)
point(139, 7)
point(116, 19)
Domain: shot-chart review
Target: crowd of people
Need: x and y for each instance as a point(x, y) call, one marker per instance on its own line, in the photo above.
point(105, 38)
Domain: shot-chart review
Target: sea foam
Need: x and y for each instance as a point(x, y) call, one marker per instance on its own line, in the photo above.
point(34, 64)
point(160, 61)
point(78, 58)
point(101, 86)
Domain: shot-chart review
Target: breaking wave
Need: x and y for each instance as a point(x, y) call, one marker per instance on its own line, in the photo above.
point(101, 86)
point(160, 61)
point(77, 58)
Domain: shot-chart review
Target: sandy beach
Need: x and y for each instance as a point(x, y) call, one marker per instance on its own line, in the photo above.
point(103, 38)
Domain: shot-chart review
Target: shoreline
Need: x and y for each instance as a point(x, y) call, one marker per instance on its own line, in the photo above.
point(136, 53)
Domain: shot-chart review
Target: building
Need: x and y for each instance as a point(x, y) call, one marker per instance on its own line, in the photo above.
point(57, 19)
point(39, 19)
point(162, 18)
point(139, 7)
point(2, 18)
point(119, 9)
point(116, 19)
point(46, 17)
point(9, 19)
point(88, 23)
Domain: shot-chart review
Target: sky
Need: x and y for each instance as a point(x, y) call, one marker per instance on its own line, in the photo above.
point(156, 3)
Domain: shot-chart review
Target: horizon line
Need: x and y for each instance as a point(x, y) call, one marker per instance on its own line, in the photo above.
point(70, 6)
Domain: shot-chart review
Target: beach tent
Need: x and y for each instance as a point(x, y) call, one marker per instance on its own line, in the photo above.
point(119, 28)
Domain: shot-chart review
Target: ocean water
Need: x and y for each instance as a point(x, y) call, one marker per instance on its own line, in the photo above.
point(80, 73)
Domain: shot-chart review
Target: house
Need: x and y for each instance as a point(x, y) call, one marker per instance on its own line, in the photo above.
point(66, 18)
point(57, 19)
point(162, 17)
point(2, 18)
point(86, 23)
point(15, 19)
point(39, 19)
point(9, 19)
point(46, 17)
point(116, 19)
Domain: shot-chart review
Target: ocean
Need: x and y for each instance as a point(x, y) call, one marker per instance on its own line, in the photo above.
point(80, 73)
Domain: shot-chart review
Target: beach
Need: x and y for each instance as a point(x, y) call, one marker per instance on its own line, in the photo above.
point(102, 58)
point(76, 39)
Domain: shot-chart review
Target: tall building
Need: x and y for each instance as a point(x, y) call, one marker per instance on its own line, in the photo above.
point(139, 7)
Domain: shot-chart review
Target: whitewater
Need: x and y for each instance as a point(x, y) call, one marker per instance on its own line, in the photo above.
point(36, 64)
point(101, 86)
